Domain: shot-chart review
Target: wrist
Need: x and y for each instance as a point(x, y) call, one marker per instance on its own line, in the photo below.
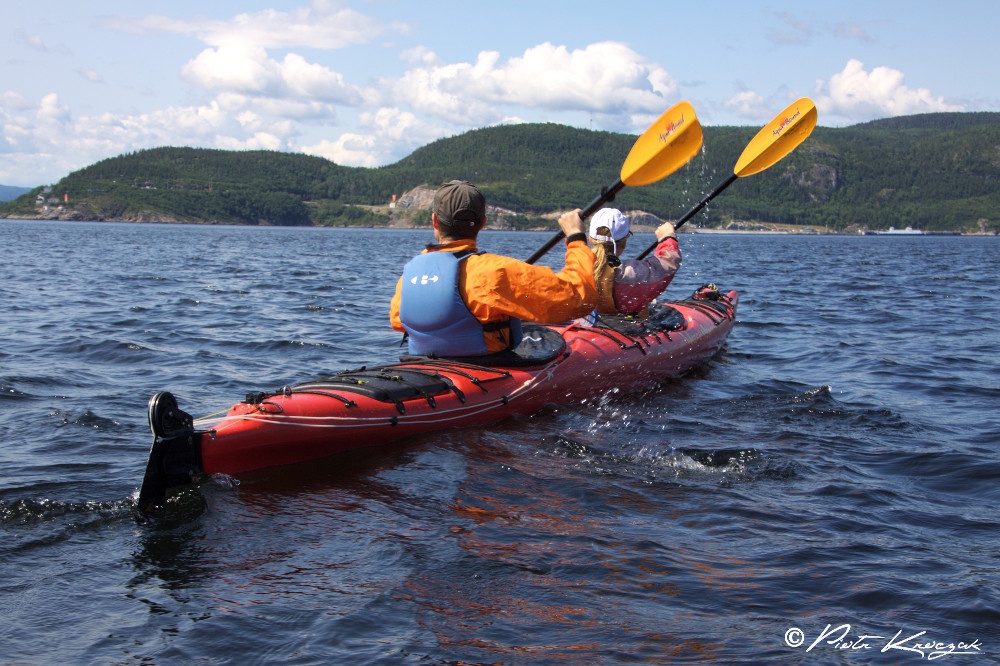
point(578, 236)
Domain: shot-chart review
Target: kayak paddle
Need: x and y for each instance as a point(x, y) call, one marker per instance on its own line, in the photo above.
point(666, 146)
point(775, 140)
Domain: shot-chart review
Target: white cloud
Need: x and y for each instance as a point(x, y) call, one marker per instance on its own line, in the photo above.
point(249, 70)
point(305, 79)
point(323, 25)
point(294, 110)
point(436, 100)
point(748, 104)
point(90, 75)
point(51, 112)
point(258, 101)
point(259, 141)
point(349, 149)
point(859, 95)
point(233, 67)
point(47, 134)
point(442, 92)
point(607, 77)
point(11, 99)
point(264, 98)
point(419, 55)
point(385, 136)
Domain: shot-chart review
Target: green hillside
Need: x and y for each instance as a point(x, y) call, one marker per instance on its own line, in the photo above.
point(929, 171)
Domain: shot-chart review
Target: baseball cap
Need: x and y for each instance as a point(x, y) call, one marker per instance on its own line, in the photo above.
point(614, 220)
point(459, 202)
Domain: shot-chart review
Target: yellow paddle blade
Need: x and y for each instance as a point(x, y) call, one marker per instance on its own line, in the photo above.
point(778, 138)
point(665, 147)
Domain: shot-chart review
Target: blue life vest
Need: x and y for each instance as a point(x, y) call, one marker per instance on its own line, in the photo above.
point(431, 309)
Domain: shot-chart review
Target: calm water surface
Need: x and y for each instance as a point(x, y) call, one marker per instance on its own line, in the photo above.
point(835, 468)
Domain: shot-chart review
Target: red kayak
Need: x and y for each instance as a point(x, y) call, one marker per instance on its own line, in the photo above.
point(554, 365)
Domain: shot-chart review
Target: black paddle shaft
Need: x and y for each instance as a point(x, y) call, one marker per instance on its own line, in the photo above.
point(694, 211)
point(607, 194)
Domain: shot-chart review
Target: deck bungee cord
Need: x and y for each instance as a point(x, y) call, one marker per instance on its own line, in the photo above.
point(372, 406)
point(436, 392)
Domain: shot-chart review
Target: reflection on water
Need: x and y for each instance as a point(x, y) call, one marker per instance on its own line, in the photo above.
point(835, 464)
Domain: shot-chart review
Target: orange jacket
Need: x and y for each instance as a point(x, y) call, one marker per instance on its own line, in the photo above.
point(495, 288)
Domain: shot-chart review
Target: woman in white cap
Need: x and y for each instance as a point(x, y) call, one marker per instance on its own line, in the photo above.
point(629, 286)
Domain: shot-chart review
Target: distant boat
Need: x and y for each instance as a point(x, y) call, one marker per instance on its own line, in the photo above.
point(908, 231)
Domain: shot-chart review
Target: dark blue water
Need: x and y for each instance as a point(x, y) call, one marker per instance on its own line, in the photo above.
point(835, 468)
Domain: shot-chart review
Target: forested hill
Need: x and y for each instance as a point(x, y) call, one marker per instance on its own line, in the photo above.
point(929, 171)
point(934, 121)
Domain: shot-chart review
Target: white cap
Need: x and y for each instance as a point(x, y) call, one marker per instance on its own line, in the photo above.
point(613, 219)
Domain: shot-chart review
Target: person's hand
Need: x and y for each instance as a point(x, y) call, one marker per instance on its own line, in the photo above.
point(665, 230)
point(571, 223)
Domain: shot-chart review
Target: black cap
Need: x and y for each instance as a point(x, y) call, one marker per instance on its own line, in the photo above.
point(458, 203)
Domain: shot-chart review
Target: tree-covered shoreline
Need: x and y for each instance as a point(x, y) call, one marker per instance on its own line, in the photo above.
point(932, 171)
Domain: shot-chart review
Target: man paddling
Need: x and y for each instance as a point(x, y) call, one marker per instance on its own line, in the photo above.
point(454, 300)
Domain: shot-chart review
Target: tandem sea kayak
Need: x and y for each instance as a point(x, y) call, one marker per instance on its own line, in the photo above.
point(364, 407)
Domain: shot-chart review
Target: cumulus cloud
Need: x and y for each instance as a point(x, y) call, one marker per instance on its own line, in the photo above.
point(440, 92)
point(51, 112)
point(11, 100)
point(748, 104)
point(259, 141)
point(240, 70)
point(47, 141)
point(322, 25)
point(235, 67)
point(419, 55)
point(258, 101)
point(385, 135)
point(433, 100)
point(606, 77)
point(859, 95)
point(293, 110)
point(42, 138)
point(266, 92)
point(251, 71)
point(264, 86)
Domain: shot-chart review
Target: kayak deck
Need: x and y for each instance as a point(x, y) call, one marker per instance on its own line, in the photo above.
point(372, 406)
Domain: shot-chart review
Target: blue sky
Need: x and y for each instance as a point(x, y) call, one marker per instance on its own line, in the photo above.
point(365, 82)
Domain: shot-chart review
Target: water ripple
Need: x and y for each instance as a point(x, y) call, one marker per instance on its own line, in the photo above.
point(835, 464)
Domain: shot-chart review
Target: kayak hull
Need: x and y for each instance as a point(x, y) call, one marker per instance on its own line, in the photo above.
point(371, 407)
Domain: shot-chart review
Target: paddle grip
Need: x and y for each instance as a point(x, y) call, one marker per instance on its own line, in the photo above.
point(607, 194)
